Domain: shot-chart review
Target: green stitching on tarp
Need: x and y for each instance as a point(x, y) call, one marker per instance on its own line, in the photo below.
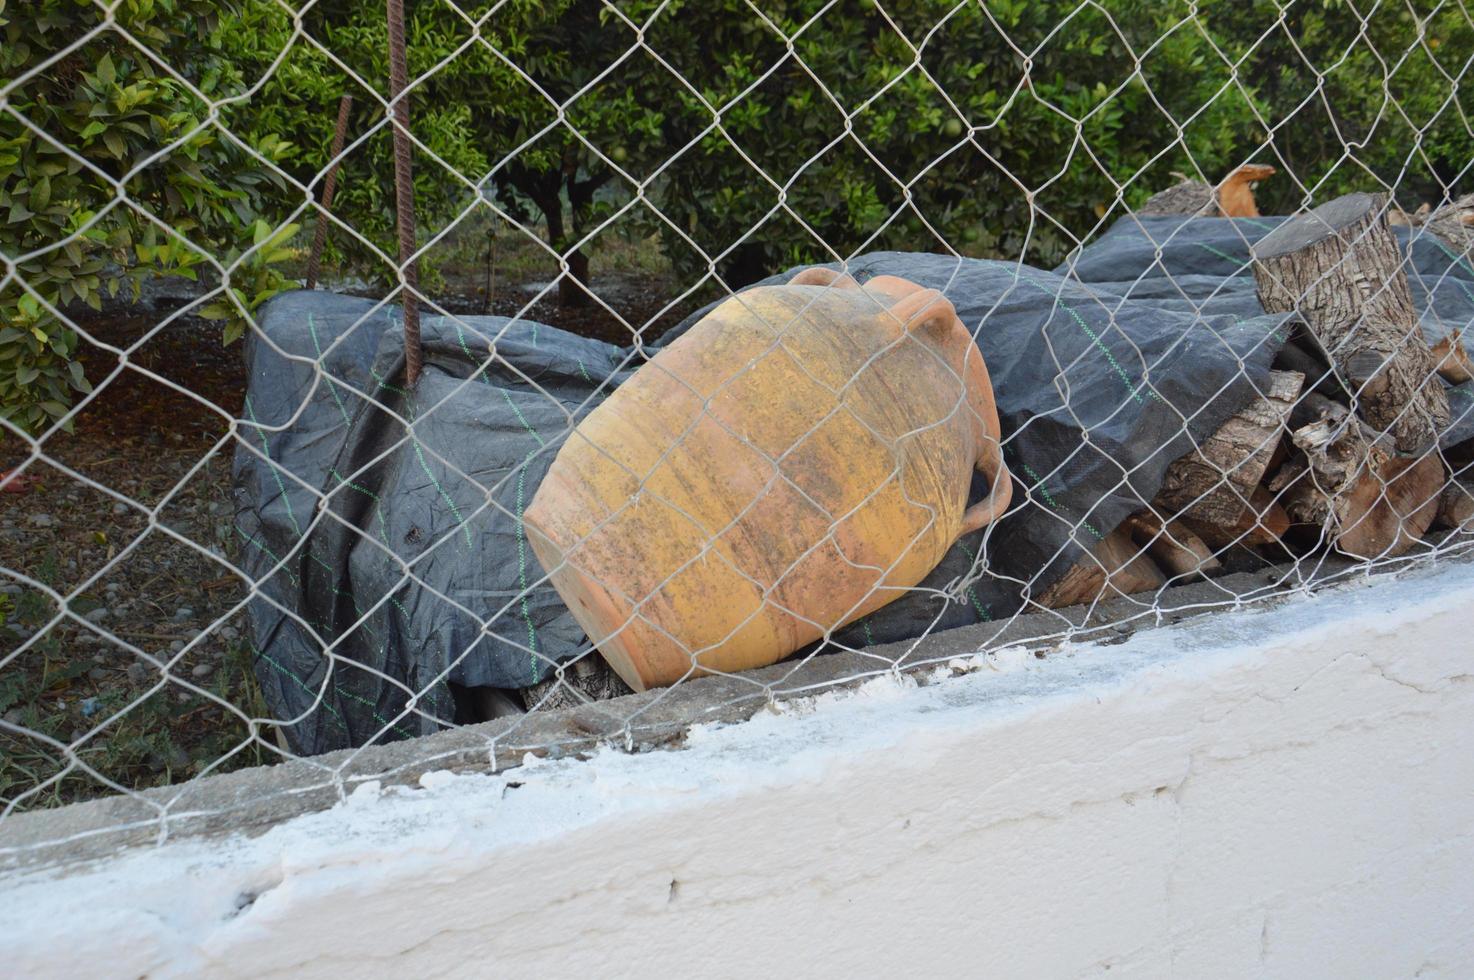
point(332, 385)
point(275, 471)
point(420, 455)
point(1134, 392)
point(982, 610)
point(520, 418)
point(461, 339)
point(460, 521)
point(1044, 492)
point(337, 689)
point(269, 553)
point(584, 371)
point(378, 379)
point(1456, 260)
point(342, 725)
point(378, 503)
point(1241, 264)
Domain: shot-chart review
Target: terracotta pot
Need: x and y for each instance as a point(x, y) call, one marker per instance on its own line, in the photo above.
point(798, 459)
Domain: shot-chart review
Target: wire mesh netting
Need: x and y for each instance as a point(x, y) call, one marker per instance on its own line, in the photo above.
point(740, 349)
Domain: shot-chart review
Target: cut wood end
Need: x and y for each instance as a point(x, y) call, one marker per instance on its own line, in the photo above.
point(1452, 358)
point(1236, 192)
point(1388, 512)
point(1116, 567)
point(1456, 507)
point(1180, 552)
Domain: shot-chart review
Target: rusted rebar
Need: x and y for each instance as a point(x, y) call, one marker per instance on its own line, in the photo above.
point(404, 192)
point(329, 184)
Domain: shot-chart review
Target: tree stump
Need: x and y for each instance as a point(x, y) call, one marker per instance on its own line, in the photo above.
point(1215, 483)
point(1340, 268)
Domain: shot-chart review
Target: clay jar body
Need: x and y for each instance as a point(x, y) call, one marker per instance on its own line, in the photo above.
point(799, 458)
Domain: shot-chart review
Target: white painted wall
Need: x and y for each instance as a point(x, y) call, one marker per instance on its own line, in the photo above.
point(1282, 794)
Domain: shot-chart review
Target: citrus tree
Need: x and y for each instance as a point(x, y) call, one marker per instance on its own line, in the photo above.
point(111, 172)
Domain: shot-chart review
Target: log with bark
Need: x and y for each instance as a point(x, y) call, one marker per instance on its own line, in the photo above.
point(1214, 485)
point(1261, 524)
point(1233, 197)
point(1115, 567)
point(1341, 269)
point(1456, 506)
point(1452, 222)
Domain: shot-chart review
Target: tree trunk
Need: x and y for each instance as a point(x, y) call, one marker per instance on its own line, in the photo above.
point(1341, 269)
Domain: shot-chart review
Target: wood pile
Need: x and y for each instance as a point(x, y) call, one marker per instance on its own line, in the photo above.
point(1341, 448)
point(1232, 197)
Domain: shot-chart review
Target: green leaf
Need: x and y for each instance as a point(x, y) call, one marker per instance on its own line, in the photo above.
point(79, 377)
point(106, 73)
point(115, 144)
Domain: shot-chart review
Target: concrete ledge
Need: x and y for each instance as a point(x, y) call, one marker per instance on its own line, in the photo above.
point(252, 800)
point(1281, 794)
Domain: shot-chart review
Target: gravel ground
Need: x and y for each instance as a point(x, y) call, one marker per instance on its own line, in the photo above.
point(183, 701)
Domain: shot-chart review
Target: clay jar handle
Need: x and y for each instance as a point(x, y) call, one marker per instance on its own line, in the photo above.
point(926, 310)
point(929, 311)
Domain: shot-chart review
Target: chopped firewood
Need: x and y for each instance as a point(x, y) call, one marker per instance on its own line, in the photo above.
point(1236, 193)
point(1349, 481)
point(1115, 567)
point(1215, 482)
point(1454, 223)
point(1456, 507)
point(1341, 268)
point(1190, 197)
point(1454, 364)
point(1173, 546)
point(1396, 509)
point(1263, 522)
point(1232, 198)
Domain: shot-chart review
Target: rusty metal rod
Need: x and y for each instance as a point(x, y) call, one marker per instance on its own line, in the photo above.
point(329, 185)
point(404, 192)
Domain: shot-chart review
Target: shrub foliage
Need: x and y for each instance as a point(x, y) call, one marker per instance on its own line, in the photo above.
point(749, 137)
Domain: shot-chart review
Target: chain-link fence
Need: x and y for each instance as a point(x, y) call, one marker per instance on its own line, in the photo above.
point(740, 350)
